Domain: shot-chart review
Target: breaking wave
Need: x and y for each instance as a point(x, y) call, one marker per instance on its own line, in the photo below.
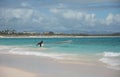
point(22, 51)
point(111, 54)
point(112, 59)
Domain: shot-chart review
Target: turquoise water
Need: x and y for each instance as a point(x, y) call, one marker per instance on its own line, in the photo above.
point(68, 45)
point(104, 49)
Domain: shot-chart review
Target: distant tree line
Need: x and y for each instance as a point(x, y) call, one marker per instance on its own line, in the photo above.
point(50, 33)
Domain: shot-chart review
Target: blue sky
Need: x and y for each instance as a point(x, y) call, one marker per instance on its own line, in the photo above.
point(70, 16)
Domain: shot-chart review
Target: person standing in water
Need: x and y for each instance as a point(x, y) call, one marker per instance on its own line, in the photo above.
point(40, 43)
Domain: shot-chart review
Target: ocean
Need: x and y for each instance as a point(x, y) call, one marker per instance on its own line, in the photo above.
point(94, 50)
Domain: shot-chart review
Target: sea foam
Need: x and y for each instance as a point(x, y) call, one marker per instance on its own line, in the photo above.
point(111, 54)
point(28, 52)
point(112, 59)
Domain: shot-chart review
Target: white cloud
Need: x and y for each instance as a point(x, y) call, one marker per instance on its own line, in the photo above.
point(20, 14)
point(109, 19)
point(78, 15)
point(58, 19)
point(25, 16)
point(75, 16)
point(112, 19)
point(86, 18)
point(72, 15)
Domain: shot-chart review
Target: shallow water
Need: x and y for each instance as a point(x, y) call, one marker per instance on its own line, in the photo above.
point(104, 50)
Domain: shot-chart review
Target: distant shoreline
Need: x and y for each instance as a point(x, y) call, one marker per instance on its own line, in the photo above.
point(56, 36)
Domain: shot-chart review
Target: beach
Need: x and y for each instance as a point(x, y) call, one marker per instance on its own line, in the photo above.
point(54, 36)
point(59, 38)
point(60, 57)
point(44, 67)
point(13, 72)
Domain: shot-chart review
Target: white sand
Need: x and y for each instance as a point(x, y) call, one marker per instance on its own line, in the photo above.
point(55, 36)
point(13, 72)
point(45, 67)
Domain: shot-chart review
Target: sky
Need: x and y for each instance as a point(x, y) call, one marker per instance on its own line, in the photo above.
point(62, 16)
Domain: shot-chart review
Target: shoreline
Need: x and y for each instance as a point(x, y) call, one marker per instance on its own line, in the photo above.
point(25, 59)
point(54, 36)
point(45, 67)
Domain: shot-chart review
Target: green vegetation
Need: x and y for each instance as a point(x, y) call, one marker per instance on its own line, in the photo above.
point(50, 33)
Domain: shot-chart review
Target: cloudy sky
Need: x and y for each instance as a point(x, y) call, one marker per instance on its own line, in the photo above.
point(72, 16)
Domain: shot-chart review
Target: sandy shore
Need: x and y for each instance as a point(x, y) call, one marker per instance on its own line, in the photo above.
point(31, 66)
point(55, 36)
point(13, 72)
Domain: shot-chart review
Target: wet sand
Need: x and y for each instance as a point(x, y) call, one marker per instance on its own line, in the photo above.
point(33, 66)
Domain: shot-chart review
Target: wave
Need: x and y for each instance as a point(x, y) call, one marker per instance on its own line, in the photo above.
point(111, 62)
point(112, 59)
point(48, 53)
point(35, 52)
point(111, 54)
point(4, 49)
